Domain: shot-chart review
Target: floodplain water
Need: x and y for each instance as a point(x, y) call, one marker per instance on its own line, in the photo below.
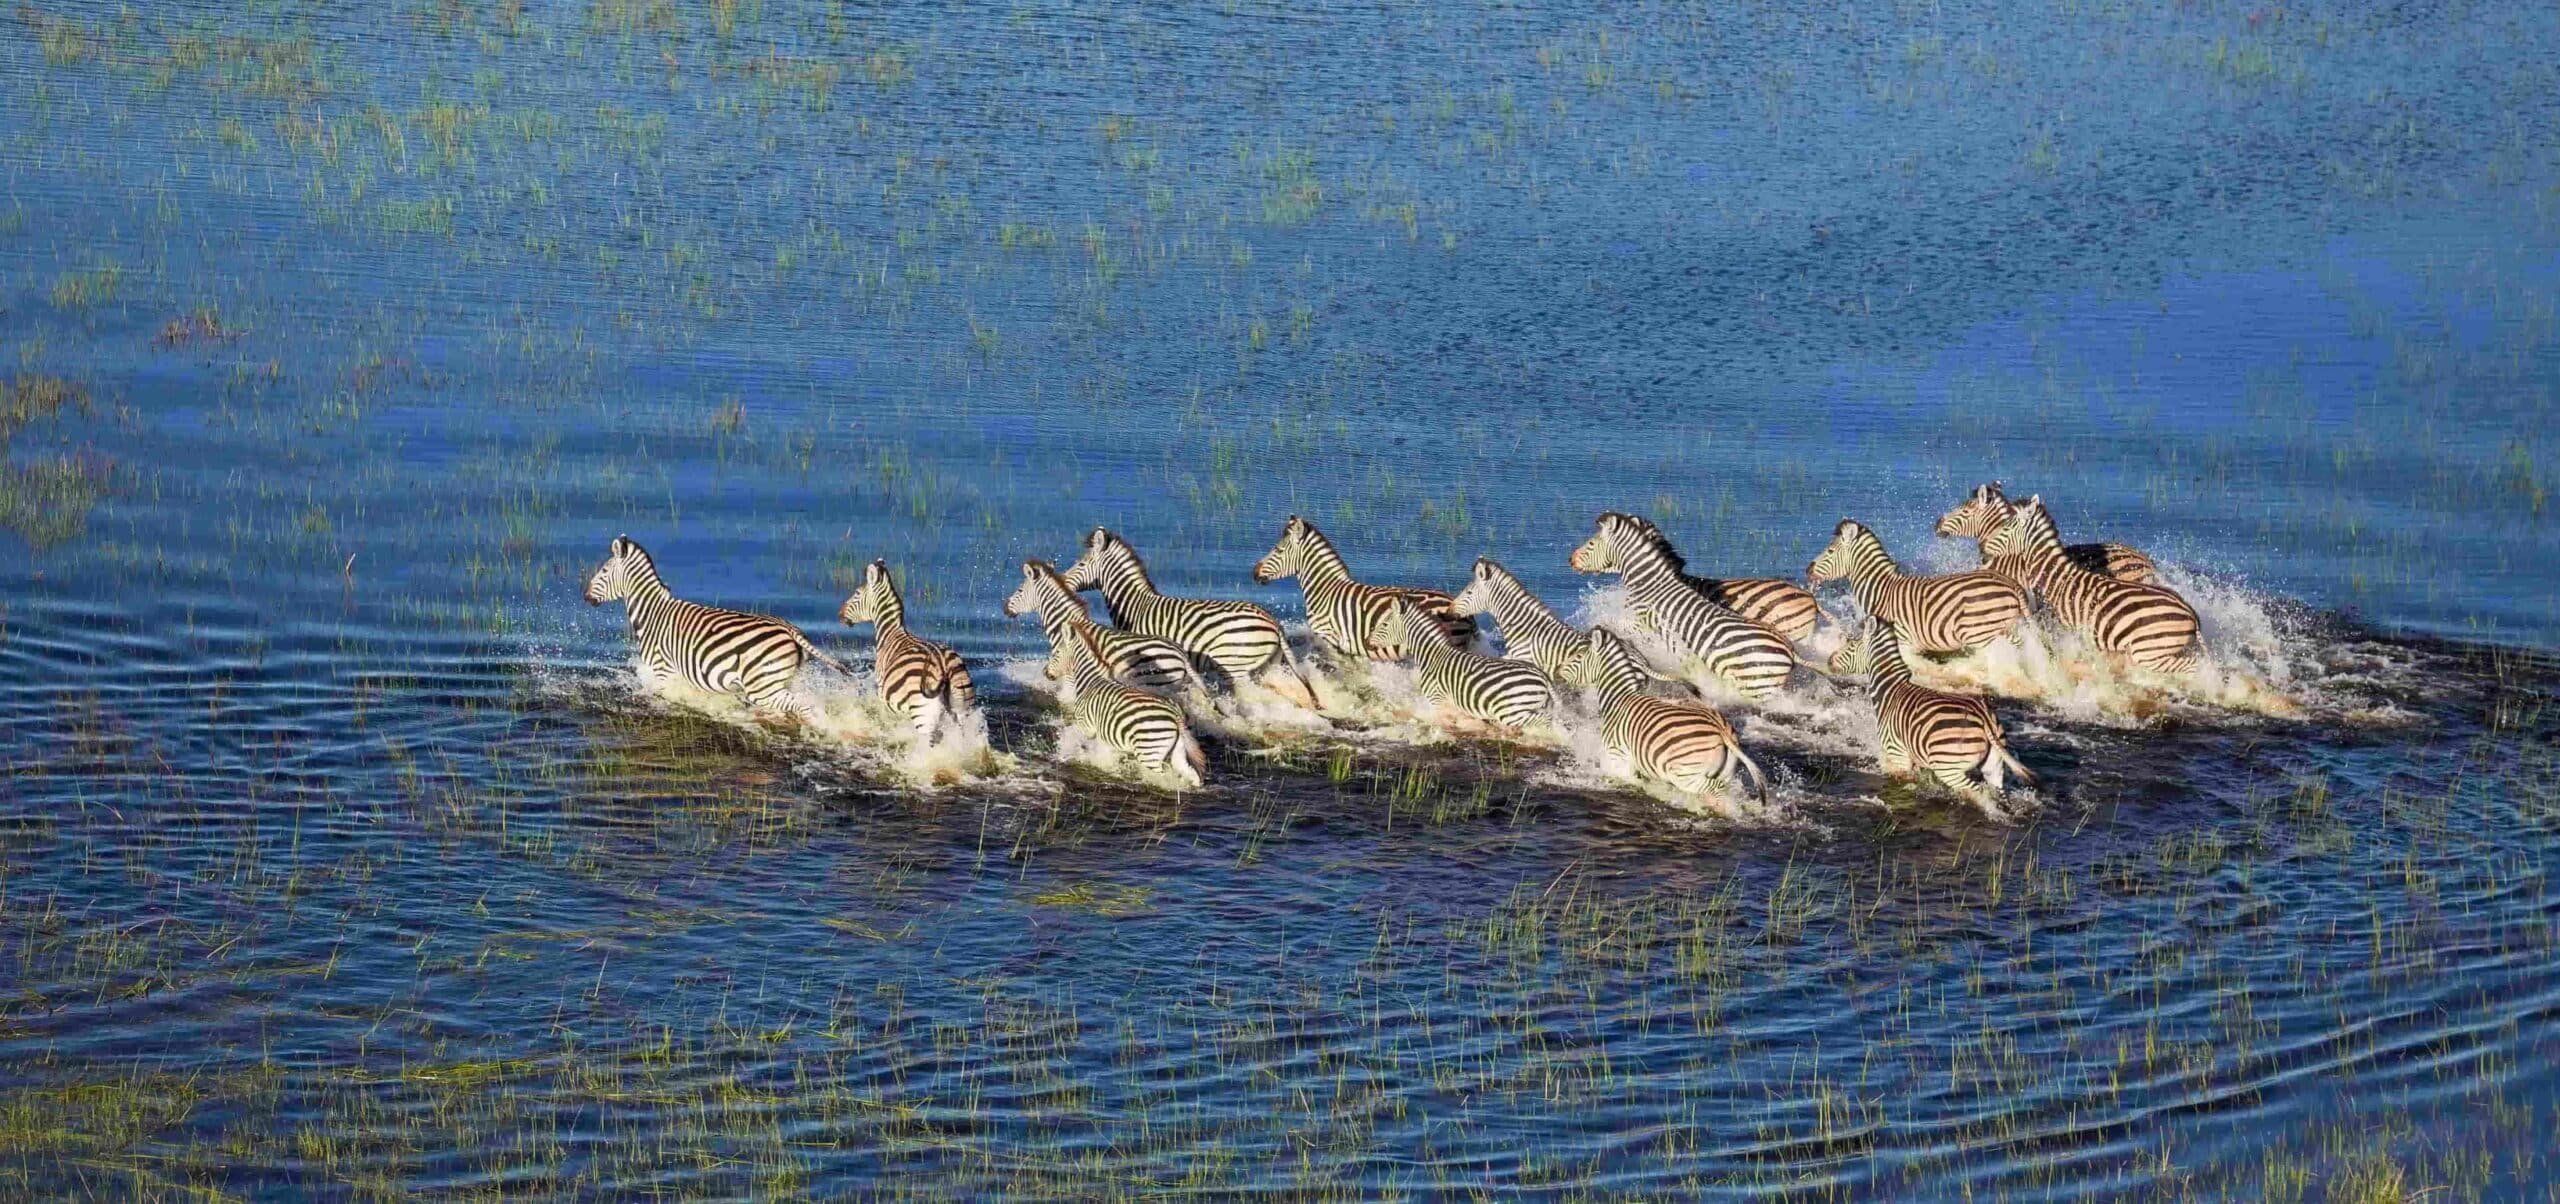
point(343, 853)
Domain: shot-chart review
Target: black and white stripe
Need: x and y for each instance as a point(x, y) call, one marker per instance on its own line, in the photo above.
point(1506, 693)
point(1140, 660)
point(919, 679)
point(1752, 659)
point(1986, 508)
point(2150, 626)
point(1530, 631)
point(1781, 606)
point(1239, 639)
point(1352, 618)
point(1952, 739)
point(1680, 741)
point(1948, 612)
point(1138, 725)
point(749, 657)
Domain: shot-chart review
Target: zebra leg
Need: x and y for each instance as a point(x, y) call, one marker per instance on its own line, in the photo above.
point(1895, 758)
point(1979, 793)
point(928, 717)
point(1284, 677)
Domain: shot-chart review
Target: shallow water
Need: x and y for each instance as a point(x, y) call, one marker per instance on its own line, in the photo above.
point(342, 853)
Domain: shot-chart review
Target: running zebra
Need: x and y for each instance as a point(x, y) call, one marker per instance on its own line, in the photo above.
point(1952, 739)
point(1504, 693)
point(1754, 660)
point(1351, 617)
point(1781, 606)
point(1530, 631)
point(919, 679)
point(2150, 626)
point(749, 657)
point(1141, 660)
point(1676, 740)
point(1978, 515)
point(1139, 725)
point(1950, 612)
point(1239, 639)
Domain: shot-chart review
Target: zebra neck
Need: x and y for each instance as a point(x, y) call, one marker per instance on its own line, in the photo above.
point(1058, 615)
point(1523, 614)
point(1124, 581)
point(1888, 670)
point(1870, 567)
point(1318, 562)
point(645, 608)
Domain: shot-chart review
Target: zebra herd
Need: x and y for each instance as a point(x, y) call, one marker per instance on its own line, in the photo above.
point(1122, 683)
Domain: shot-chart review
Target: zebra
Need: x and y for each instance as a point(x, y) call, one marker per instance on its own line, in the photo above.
point(1986, 508)
point(1505, 693)
point(1349, 616)
point(1141, 660)
point(1239, 639)
point(1686, 743)
point(1953, 739)
point(2150, 626)
point(1781, 606)
point(1530, 631)
point(1139, 725)
point(1753, 659)
point(749, 657)
point(919, 679)
point(1950, 612)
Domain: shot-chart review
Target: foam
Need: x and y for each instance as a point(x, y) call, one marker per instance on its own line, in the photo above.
point(845, 715)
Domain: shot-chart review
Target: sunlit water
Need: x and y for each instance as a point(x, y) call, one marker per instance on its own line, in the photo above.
point(341, 851)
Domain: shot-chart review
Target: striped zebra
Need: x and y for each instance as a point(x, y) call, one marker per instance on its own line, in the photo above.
point(1139, 725)
point(1754, 660)
point(2150, 626)
point(1505, 693)
point(1949, 612)
point(1982, 512)
point(1781, 606)
point(1239, 639)
point(1349, 616)
point(1952, 739)
point(1676, 740)
point(749, 657)
point(1141, 660)
point(1530, 631)
point(919, 679)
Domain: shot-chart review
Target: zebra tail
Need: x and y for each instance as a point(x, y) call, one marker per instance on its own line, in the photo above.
point(1194, 759)
point(820, 653)
point(2000, 757)
point(1759, 781)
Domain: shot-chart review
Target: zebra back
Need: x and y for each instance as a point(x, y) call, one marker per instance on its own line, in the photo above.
point(1240, 638)
point(2150, 626)
point(1948, 612)
point(1753, 659)
point(1530, 630)
point(749, 656)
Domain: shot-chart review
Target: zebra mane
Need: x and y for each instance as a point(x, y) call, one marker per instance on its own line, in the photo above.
point(1652, 535)
point(1058, 581)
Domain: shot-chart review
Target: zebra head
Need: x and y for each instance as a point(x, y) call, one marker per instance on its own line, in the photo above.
point(612, 580)
point(1852, 656)
point(1025, 597)
point(1980, 511)
point(2026, 528)
point(1086, 572)
point(1835, 560)
point(1608, 660)
point(1599, 554)
point(1286, 558)
point(1477, 597)
point(866, 603)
